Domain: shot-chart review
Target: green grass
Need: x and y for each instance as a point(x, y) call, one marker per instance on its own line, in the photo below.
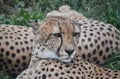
point(20, 12)
point(4, 75)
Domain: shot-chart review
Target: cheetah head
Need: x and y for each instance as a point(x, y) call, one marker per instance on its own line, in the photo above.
point(56, 37)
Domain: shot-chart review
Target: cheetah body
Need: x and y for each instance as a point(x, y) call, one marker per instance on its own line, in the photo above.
point(15, 47)
point(79, 68)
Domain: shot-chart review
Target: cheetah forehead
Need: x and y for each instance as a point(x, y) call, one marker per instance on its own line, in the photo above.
point(54, 23)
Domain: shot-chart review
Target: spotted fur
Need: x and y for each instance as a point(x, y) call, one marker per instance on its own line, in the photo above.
point(15, 47)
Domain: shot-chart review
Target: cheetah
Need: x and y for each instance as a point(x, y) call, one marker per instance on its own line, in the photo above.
point(94, 40)
point(43, 64)
point(16, 44)
point(98, 40)
point(77, 69)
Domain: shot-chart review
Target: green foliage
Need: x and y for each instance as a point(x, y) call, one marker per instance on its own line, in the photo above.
point(4, 75)
point(22, 18)
point(113, 62)
point(103, 10)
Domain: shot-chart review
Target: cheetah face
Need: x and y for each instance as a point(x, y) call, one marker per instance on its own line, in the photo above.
point(57, 37)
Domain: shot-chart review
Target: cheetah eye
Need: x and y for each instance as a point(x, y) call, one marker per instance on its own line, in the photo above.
point(57, 34)
point(76, 34)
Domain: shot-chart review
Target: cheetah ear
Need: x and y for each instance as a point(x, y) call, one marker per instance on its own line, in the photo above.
point(35, 24)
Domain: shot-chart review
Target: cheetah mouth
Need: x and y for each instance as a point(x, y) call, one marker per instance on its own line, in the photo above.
point(68, 59)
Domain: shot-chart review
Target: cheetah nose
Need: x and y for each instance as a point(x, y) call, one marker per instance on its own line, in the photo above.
point(69, 51)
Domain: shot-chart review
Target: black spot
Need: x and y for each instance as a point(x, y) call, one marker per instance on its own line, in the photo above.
point(24, 64)
point(9, 61)
point(113, 35)
point(10, 37)
point(2, 50)
point(89, 39)
point(104, 34)
point(60, 67)
point(83, 40)
point(1, 55)
point(18, 38)
point(84, 31)
point(60, 77)
point(94, 52)
point(7, 53)
point(56, 74)
point(85, 27)
point(98, 47)
point(104, 57)
point(67, 65)
point(1, 37)
point(15, 65)
point(92, 25)
point(19, 69)
point(21, 34)
point(95, 59)
point(39, 72)
point(71, 77)
point(86, 47)
point(117, 38)
point(95, 28)
point(18, 50)
point(43, 76)
point(21, 43)
point(52, 69)
point(98, 33)
point(102, 43)
point(79, 47)
point(89, 55)
point(110, 29)
point(97, 62)
point(31, 40)
point(102, 24)
point(13, 70)
point(26, 42)
point(49, 75)
point(91, 34)
point(23, 49)
point(7, 43)
point(85, 35)
point(100, 53)
point(108, 33)
point(25, 30)
point(24, 58)
point(99, 38)
point(13, 55)
point(91, 29)
point(83, 56)
point(27, 48)
point(107, 49)
point(101, 28)
point(95, 41)
point(26, 34)
point(116, 43)
point(19, 31)
point(16, 43)
point(111, 42)
point(62, 73)
point(91, 44)
point(18, 61)
point(106, 41)
point(11, 48)
point(25, 37)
